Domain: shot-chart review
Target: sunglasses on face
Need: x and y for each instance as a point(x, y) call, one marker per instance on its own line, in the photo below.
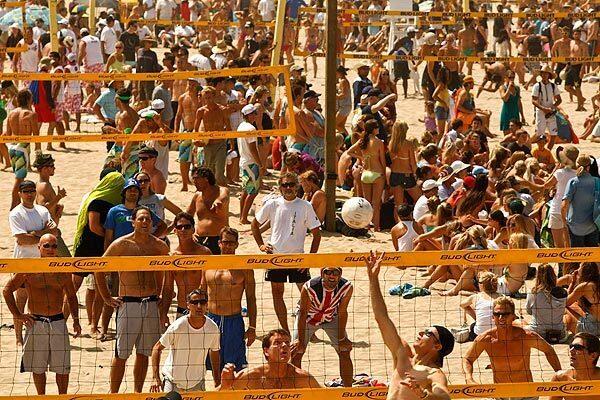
point(141, 181)
point(183, 227)
point(430, 334)
point(145, 158)
point(288, 185)
point(28, 191)
point(198, 301)
point(50, 246)
point(499, 314)
point(577, 347)
point(334, 272)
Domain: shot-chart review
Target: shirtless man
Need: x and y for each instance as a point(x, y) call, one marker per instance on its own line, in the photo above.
point(467, 42)
point(494, 73)
point(584, 351)
point(211, 205)
point(139, 319)
point(148, 156)
point(508, 347)
point(46, 195)
point(417, 373)
point(189, 102)
point(213, 117)
point(21, 121)
point(186, 280)
point(225, 289)
point(46, 344)
point(277, 373)
point(450, 49)
point(561, 48)
point(126, 118)
point(579, 48)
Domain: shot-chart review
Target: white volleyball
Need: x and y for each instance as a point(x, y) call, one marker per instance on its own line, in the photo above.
point(357, 213)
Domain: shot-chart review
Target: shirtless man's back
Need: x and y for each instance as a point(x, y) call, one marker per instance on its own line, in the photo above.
point(188, 104)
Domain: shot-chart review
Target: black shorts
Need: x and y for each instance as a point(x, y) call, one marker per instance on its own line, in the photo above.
point(291, 275)
point(454, 82)
point(405, 181)
point(573, 78)
point(401, 70)
point(212, 242)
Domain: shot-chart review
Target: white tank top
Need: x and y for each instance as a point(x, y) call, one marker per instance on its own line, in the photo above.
point(29, 58)
point(93, 51)
point(162, 161)
point(405, 243)
point(483, 314)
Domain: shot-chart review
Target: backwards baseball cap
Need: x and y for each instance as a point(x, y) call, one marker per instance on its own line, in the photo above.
point(249, 109)
point(157, 104)
point(446, 340)
point(429, 184)
point(310, 94)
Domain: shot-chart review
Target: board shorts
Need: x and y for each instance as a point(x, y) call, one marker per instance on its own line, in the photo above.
point(589, 324)
point(291, 275)
point(251, 179)
point(212, 242)
point(185, 151)
point(170, 386)
point(441, 113)
point(405, 181)
point(468, 52)
point(233, 346)
point(573, 77)
point(555, 221)
point(19, 157)
point(96, 68)
point(330, 328)
point(137, 325)
point(73, 103)
point(46, 346)
point(59, 108)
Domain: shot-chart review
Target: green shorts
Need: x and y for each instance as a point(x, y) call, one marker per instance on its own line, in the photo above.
point(251, 178)
point(468, 52)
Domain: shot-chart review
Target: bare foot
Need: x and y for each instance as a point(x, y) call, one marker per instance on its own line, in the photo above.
point(448, 293)
point(49, 148)
point(244, 222)
point(62, 145)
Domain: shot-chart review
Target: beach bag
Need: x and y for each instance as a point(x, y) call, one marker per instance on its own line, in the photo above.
point(565, 129)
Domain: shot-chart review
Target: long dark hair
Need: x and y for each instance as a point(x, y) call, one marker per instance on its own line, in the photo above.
point(370, 127)
point(589, 273)
point(475, 196)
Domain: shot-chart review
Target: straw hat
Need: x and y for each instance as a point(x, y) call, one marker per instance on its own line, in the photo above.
point(546, 68)
point(220, 48)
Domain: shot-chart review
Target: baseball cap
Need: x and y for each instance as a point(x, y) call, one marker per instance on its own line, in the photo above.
point(310, 94)
point(469, 182)
point(157, 104)
point(131, 183)
point(151, 151)
point(205, 45)
point(63, 21)
point(148, 114)
point(26, 184)
point(429, 184)
point(479, 170)
point(375, 92)
point(71, 57)
point(45, 62)
point(363, 64)
point(446, 340)
point(296, 68)
point(170, 396)
point(411, 29)
point(249, 109)
point(516, 206)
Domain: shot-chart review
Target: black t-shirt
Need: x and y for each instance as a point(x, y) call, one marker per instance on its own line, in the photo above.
point(377, 117)
point(130, 42)
point(92, 245)
point(12, 41)
point(514, 147)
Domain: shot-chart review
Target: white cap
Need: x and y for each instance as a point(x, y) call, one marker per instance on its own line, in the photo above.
point(157, 104)
point(71, 57)
point(15, 25)
point(110, 11)
point(459, 166)
point(147, 113)
point(63, 21)
point(205, 44)
point(249, 109)
point(429, 184)
point(411, 29)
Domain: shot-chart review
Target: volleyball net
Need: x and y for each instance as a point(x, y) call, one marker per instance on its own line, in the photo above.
point(373, 364)
point(273, 84)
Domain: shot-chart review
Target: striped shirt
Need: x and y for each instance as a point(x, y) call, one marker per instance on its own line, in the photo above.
point(324, 303)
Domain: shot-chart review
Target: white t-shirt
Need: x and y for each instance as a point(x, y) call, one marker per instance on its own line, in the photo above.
point(37, 32)
point(93, 51)
point(24, 220)
point(109, 37)
point(235, 118)
point(266, 8)
point(151, 10)
point(165, 8)
point(186, 362)
point(243, 143)
point(144, 32)
point(545, 93)
point(420, 208)
point(289, 222)
point(562, 175)
point(73, 86)
point(60, 97)
point(29, 58)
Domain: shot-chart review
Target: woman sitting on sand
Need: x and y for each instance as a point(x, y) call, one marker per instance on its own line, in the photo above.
point(479, 306)
point(546, 304)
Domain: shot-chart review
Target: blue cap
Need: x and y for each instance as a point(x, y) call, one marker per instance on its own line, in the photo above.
point(367, 89)
point(131, 183)
point(479, 170)
point(239, 86)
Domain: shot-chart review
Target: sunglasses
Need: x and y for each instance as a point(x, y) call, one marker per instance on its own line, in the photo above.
point(430, 334)
point(577, 347)
point(50, 246)
point(183, 227)
point(499, 314)
point(288, 185)
point(145, 158)
point(198, 301)
point(334, 272)
point(140, 181)
point(28, 191)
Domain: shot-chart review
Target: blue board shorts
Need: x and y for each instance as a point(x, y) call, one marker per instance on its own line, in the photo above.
point(233, 345)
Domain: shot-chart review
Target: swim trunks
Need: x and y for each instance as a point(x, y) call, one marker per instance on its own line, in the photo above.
point(137, 325)
point(46, 346)
point(251, 179)
point(19, 157)
point(233, 346)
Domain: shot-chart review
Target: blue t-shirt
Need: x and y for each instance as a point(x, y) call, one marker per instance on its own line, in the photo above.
point(120, 221)
point(106, 101)
point(292, 6)
point(580, 192)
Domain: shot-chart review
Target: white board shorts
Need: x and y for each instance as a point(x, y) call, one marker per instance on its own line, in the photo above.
point(46, 347)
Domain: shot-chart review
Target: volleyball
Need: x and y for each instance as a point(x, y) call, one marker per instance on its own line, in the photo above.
point(357, 213)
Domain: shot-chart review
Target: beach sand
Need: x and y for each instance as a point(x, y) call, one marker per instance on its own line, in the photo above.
point(77, 171)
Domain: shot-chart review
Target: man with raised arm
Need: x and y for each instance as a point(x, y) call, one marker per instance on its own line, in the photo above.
point(139, 319)
point(277, 373)
point(417, 374)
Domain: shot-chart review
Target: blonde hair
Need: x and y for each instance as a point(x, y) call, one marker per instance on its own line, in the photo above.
point(399, 131)
point(533, 167)
point(488, 282)
point(518, 241)
point(520, 168)
point(473, 236)
point(505, 301)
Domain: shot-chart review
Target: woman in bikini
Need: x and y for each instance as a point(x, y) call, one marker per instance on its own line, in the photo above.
point(404, 164)
point(311, 185)
point(371, 151)
point(585, 291)
point(311, 31)
point(344, 100)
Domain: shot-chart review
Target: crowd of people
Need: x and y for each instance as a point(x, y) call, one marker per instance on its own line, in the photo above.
point(457, 184)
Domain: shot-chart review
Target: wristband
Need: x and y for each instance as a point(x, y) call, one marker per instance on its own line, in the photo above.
point(252, 327)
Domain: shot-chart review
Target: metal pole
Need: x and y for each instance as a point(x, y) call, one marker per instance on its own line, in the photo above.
point(53, 25)
point(330, 92)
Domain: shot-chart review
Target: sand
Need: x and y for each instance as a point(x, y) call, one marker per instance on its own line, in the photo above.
point(77, 170)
